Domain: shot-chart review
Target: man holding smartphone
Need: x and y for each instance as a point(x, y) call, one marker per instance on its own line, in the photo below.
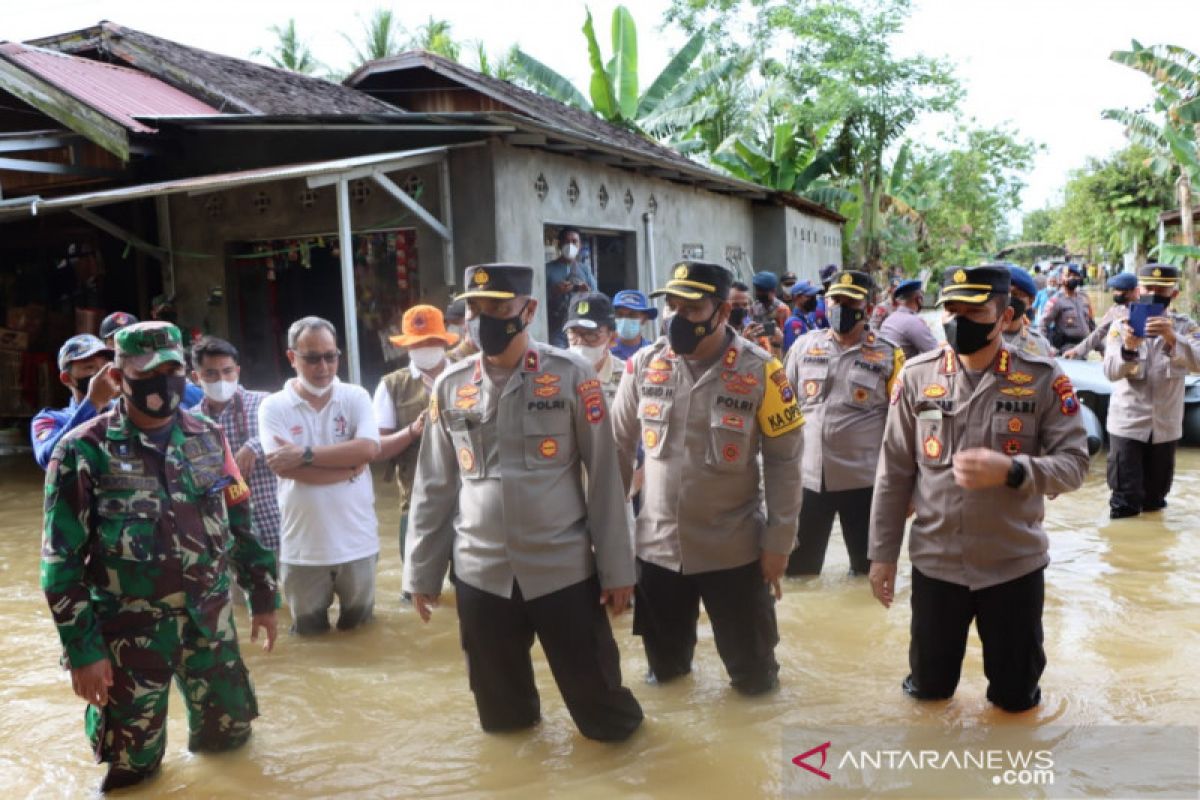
point(1145, 413)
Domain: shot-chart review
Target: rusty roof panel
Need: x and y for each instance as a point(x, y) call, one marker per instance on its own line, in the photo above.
point(116, 92)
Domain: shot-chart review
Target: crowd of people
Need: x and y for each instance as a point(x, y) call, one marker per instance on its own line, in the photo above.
point(633, 461)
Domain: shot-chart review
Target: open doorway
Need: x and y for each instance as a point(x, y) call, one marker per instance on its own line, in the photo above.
point(609, 255)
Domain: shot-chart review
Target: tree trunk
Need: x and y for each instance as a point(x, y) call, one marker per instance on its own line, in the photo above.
point(1188, 228)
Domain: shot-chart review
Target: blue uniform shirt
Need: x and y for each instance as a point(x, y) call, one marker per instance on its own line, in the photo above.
point(625, 351)
point(796, 326)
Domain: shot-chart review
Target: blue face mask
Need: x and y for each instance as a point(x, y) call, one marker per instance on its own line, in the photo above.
point(629, 328)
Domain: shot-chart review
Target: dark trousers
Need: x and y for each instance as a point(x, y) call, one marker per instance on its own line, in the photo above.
point(740, 607)
point(1008, 617)
point(853, 508)
point(573, 628)
point(1139, 474)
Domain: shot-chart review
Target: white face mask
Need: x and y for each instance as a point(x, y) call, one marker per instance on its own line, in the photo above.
point(590, 353)
point(219, 391)
point(316, 391)
point(426, 358)
point(569, 251)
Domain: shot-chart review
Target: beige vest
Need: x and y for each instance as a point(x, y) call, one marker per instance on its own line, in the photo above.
point(410, 398)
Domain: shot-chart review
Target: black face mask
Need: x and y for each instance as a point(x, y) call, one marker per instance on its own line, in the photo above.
point(1120, 298)
point(82, 384)
point(1018, 306)
point(157, 396)
point(809, 304)
point(1162, 299)
point(842, 319)
point(1029, 314)
point(763, 298)
point(685, 336)
point(967, 336)
point(737, 317)
point(1073, 284)
point(493, 334)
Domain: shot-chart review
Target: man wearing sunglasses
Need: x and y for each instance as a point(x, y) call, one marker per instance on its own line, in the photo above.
point(319, 436)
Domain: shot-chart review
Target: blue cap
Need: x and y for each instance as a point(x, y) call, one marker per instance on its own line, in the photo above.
point(1022, 280)
point(906, 287)
point(1123, 281)
point(634, 300)
point(1075, 268)
point(768, 281)
point(80, 347)
point(827, 272)
point(805, 288)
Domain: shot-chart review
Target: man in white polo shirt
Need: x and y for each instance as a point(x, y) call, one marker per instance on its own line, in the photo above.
point(320, 435)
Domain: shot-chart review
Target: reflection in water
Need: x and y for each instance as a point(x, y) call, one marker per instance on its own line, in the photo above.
point(385, 711)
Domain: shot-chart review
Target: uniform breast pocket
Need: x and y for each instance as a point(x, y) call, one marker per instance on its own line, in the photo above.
point(729, 441)
point(811, 384)
point(862, 389)
point(653, 414)
point(467, 438)
point(128, 520)
point(1015, 434)
point(548, 439)
point(934, 445)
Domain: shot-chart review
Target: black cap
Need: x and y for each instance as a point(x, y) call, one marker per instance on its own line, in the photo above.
point(590, 310)
point(850, 283)
point(693, 280)
point(974, 285)
point(115, 321)
point(499, 281)
point(1158, 275)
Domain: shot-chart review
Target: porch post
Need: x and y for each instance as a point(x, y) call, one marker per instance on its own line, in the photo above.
point(349, 300)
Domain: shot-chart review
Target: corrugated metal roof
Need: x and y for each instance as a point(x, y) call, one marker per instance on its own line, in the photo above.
point(117, 92)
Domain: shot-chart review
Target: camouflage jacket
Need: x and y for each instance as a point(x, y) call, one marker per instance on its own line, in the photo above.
point(121, 551)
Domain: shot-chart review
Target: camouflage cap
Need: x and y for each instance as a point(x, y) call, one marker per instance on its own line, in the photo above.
point(80, 347)
point(145, 345)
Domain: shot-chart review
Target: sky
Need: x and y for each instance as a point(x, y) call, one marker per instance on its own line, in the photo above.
point(1041, 65)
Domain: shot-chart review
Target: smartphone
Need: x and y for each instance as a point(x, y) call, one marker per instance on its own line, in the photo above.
point(1140, 312)
point(769, 328)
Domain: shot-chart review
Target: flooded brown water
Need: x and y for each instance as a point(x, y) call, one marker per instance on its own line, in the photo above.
point(385, 711)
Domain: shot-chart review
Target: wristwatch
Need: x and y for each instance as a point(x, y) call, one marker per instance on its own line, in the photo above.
point(308, 456)
point(1016, 475)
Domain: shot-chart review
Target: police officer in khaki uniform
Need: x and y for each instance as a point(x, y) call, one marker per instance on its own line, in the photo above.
point(500, 487)
point(1124, 287)
point(1067, 318)
point(1018, 335)
point(721, 430)
point(1145, 412)
point(976, 436)
point(844, 375)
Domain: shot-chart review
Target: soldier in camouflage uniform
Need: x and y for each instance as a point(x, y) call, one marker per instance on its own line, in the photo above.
point(144, 510)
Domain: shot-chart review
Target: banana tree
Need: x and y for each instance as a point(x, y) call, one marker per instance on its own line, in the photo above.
point(672, 101)
point(1175, 75)
point(786, 161)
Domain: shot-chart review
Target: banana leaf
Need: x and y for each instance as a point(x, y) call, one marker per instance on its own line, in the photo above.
point(549, 82)
point(604, 101)
point(623, 67)
point(669, 78)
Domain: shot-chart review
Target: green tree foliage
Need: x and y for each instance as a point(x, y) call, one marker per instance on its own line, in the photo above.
point(435, 37)
point(380, 38)
point(669, 103)
point(1111, 206)
point(289, 52)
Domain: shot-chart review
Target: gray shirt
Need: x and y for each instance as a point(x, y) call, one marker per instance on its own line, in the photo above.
point(1070, 314)
point(1022, 406)
point(500, 482)
point(844, 396)
point(707, 504)
point(1028, 341)
point(905, 328)
point(1148, 385)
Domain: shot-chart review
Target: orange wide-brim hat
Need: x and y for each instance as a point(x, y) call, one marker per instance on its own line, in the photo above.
point(423, 324)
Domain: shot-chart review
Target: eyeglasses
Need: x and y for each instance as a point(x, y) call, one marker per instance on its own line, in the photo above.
point(313, 359)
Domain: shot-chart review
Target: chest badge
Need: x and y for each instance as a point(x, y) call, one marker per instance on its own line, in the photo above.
point(812, 388)
point(861, 395)
point(548, 448)
point(1020, 378)
point(934, 390)
point(650, 439)
point(466, 459)
point(932, 447)
point(1015, 425)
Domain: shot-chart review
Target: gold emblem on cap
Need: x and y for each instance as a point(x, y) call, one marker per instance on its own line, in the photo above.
point(583, 307)
point(481, 277)
point(1157, 272)
point(960, 276)
point(847, 279)
point(681, 272)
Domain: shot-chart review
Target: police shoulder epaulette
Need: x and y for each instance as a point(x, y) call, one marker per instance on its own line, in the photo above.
point(926, 357)
point(752, 348)
point(1024, 355)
